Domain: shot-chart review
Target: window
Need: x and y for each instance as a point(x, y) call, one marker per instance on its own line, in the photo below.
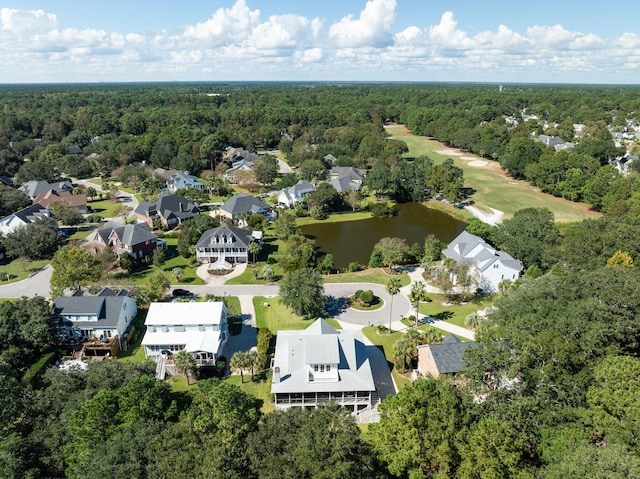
point(496, 266)
point(322, 368)
point(201, 327)
point(315, 368)
point(328, 368)
point(179, 328)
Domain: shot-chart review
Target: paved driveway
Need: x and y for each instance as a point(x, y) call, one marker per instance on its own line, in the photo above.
point(36, 285)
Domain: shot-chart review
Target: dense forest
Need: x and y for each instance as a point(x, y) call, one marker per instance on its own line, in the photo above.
point(551, 390)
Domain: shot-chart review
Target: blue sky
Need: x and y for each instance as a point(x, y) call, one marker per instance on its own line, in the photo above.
point(563, 41)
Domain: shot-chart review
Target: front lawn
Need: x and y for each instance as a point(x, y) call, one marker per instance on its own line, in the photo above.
point(386, 342)
point(335, 218)
point(19, 269)
point(104, 208)
point(369, 275)
point(454, 313)
point(272, 314)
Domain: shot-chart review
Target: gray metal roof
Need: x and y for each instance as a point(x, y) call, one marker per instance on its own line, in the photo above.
point(32, 213)
point(129, 234)
point(321, 344)
point(473, 248)
point(105, 308)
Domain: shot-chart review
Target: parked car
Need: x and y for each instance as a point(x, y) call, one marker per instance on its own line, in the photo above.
point(182, 292)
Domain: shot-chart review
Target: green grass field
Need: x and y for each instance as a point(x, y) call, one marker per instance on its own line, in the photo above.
point(453, 313)
point(18, 269)
point(276, 316)
point(385, 342)
point(260, 389)
point(369, 275)
point(493, 188)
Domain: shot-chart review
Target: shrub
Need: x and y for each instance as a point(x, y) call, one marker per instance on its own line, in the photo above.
point(354, 266)
point(366, 297)
point(357, 294)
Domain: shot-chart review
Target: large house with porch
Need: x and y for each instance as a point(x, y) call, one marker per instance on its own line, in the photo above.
point(200, 328)
point(104, 319)
point(321, 364)
point(490, 266)
point(224, 246)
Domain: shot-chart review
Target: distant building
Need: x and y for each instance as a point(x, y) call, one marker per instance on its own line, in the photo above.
point(242, 204)
point(34, 188)
point(295, 194)
point(171, 210)
point(183, 180)
point(224, 246)
point(77, 202)
point(21, 218)
point(137, 240)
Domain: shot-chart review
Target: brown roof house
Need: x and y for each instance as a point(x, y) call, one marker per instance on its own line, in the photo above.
point(77, 202)
point(445, 358)
point(138, 240)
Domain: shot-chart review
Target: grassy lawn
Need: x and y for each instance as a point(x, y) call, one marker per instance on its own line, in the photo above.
point(276, 316)
point(335, 218)
point(370, 275)
point(424, 327)
point(179, 383)
point(493, 188)
point(260, 389)
point(189, 276)
point(104, 208)
point(18, 269)
point(453, 313)
point(385, 342)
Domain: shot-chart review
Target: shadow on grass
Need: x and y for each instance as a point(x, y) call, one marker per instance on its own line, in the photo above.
point(336, 306)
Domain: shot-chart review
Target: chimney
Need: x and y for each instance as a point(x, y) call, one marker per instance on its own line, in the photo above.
point(181, 207)
point(276, 375)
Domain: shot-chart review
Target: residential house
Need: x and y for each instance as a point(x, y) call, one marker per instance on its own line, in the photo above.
point(321, 364)
point(34, 188)
point(104, 319)
point(74, 150)
point(242, 204)
point(181, 180)
point(6, 181)
point(354, 174)
point(445, 358)
point(556, 142)
point(329, 159)
point(224, 246)
point(241, 164)
point(171, 210)
point(78, 202)
point(137, 240)
point(21, 218)
point(490, 265)
point(200, 328)
point(290, 196)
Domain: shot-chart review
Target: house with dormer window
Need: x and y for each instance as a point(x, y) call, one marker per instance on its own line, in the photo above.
point(321, 364)
point(226, 245)
point(490, 265)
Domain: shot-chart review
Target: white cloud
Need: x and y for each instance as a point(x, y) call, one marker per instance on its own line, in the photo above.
point(226, 26)
point(281, 31)
point(372, 28)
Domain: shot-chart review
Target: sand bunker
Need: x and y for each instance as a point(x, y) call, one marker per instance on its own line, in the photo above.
point(468, 158)
point(477, 163)
point(449, 152)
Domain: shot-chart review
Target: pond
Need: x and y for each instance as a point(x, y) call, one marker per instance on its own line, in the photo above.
point(354, 240)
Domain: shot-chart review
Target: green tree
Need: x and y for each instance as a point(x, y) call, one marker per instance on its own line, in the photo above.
point(393, 288)
point(67, 215)
point(238, 363)
point(417, 294)
point(185, 363)
point(403, 352)
point(299, 253)
point(285, 225)
point(12, 200)
point(416, 435)
point(264, 341)
point(432, 250)
point(324, 197)
point(267, 170)
point(159, 257)
point(302, 291)
point(313, 171)
point(92, 192)
point(37, 240)
point(191, 231)
point(106, 258)
point(324, 442)
point(392, 250)
point(73, 267)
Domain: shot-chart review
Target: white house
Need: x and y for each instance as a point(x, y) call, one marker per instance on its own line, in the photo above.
point(492, 266)
point(16, 220)
point(106, 316)
point(180, 180)
point(290, 196)
point(199, 328)
point(321, 364)
point(225, 245)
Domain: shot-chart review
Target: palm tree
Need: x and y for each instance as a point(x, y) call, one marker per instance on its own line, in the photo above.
point(393, 288)
point(255, 361)
point(238, 363)
point(91, 192)
point(185, 363)
point(418, 293)
point(177, 273)
point(402, 349)
point(254, 248)
point(472, 320)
